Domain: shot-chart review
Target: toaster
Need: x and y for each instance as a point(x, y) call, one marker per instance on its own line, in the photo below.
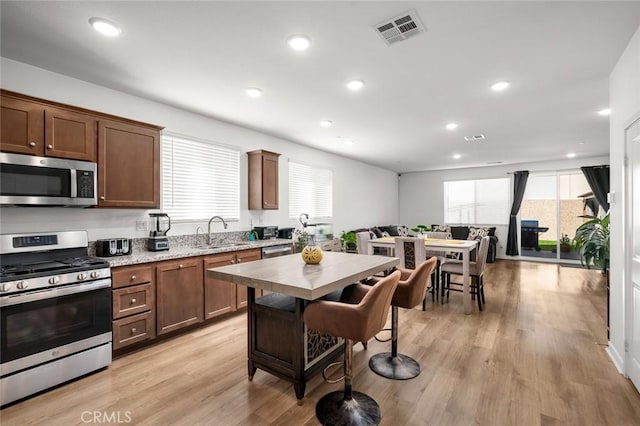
point(113, 247)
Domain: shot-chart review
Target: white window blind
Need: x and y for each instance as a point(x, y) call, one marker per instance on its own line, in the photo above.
point(310, 191)
point(199, 179)
point(480, 202)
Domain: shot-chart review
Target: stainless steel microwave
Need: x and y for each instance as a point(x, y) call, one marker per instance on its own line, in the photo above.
point(26, 180)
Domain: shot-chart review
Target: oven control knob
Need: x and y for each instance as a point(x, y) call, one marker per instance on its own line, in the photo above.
point(95, 274)
point(82, 276)
point(5, 287)
point(22, 285)
point(54, 280)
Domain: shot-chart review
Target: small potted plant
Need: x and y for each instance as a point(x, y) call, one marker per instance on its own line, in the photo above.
point(421, 229)
point(301, 238)
point(565, 243)
point(348, 240)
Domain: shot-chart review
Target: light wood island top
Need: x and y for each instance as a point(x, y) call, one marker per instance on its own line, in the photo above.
point(291, 276)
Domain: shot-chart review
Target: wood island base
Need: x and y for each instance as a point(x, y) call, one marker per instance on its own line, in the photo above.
point(280, 343)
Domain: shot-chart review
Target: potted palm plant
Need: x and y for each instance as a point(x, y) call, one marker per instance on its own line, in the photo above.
point(592, 242)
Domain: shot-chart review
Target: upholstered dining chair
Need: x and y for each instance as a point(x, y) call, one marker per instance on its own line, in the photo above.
point(360, 316)
point(476, 271)
point(362, 241)
point(408, 294)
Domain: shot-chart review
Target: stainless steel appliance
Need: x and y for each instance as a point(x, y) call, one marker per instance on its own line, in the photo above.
point(158, 240)
point(286, 233)
point(55, 312)
point(266, 232)
point(43, 181)
point(275, 251)
point(113, 247)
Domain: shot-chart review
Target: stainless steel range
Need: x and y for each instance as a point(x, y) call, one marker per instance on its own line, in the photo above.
point(55, 312)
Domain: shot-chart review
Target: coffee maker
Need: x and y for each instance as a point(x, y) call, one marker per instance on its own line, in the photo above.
point(158, 240)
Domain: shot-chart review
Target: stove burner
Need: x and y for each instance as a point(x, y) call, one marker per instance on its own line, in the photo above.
point(51, 267)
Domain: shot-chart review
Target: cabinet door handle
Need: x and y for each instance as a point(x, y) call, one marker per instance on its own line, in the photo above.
point(232, 261)
point(239, 260)
point(49, 146)
point(133, 301)
point(133, 277)
point(133, 330)
point(32, 144)
point(181, 266)
point(102, 197)
point(265, 203)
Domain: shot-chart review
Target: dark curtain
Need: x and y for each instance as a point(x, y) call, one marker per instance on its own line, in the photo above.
point(593, 205)
point(598, 179)
point(519, 185)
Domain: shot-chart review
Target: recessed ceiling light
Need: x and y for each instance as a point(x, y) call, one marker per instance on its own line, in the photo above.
point(299, 42)
point(501, 85)
point(253, 92)
point(581, 143)
point(326, 123)
point(348, 142)
point(606, 111)
point(355, 84)
point(105, 27)
point(451, 126)
point(571, 155)
point(457, 156)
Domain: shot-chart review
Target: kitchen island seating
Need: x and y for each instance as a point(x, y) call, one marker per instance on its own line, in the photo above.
point(409, 293)
point(476, 271)
point(361, 315)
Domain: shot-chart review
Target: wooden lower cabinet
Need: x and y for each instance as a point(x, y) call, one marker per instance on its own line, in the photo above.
point(179, 294)
point(134, 329)
point(221, 297)
point(134, 314)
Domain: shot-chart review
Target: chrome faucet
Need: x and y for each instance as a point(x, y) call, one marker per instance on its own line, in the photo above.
point(198, 230)
point(209, 227)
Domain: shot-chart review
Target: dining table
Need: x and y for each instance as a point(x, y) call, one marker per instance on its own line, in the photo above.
point(278, 290)
point(465, 247)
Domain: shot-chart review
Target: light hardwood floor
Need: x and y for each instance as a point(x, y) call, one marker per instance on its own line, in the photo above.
point(534, 356)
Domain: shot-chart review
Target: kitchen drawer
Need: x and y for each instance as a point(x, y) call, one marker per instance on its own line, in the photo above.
point(131, 275)
point(134, 329)
point(133, 300)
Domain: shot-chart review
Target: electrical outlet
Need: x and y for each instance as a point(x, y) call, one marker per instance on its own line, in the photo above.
point(141, 225)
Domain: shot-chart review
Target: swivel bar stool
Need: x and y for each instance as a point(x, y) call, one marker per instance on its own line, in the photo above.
point(363, 314)
point(408, 294)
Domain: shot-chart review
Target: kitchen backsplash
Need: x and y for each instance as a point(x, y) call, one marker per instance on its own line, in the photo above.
point(176, 241)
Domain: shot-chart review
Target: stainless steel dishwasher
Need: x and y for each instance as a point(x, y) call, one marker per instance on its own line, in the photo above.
point(275, 251)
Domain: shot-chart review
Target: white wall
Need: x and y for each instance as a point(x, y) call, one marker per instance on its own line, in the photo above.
point(624, 101)
point(358, 188)
point(422, 194)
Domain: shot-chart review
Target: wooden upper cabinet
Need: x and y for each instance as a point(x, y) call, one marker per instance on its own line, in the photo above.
point(22, 124)
point(128, 165)
point(263, 180)
point(69, 134)
point(33, 128)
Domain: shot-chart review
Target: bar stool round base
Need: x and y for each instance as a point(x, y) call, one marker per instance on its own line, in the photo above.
point(400, 367)
point(361, 409)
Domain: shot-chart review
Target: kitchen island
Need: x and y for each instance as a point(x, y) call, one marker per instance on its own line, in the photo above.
point(279, 342)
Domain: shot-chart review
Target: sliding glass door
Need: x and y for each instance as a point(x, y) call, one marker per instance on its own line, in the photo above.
point(550, 213)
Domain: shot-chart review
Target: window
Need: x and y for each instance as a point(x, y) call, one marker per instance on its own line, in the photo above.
point(482, 202)
point(199, 179)
point(310, 191)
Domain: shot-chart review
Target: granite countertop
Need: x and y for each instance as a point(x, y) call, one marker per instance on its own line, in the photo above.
point(177, 251)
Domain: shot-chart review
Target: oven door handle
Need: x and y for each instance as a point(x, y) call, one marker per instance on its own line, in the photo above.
point(49, 293)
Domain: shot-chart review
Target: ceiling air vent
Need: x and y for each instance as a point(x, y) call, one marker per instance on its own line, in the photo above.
point(474, 138)
point(400, 28)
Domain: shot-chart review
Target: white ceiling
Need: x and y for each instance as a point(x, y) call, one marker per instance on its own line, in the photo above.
point(201, 56)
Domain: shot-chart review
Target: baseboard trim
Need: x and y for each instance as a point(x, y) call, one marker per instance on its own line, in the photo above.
point(617, 360)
